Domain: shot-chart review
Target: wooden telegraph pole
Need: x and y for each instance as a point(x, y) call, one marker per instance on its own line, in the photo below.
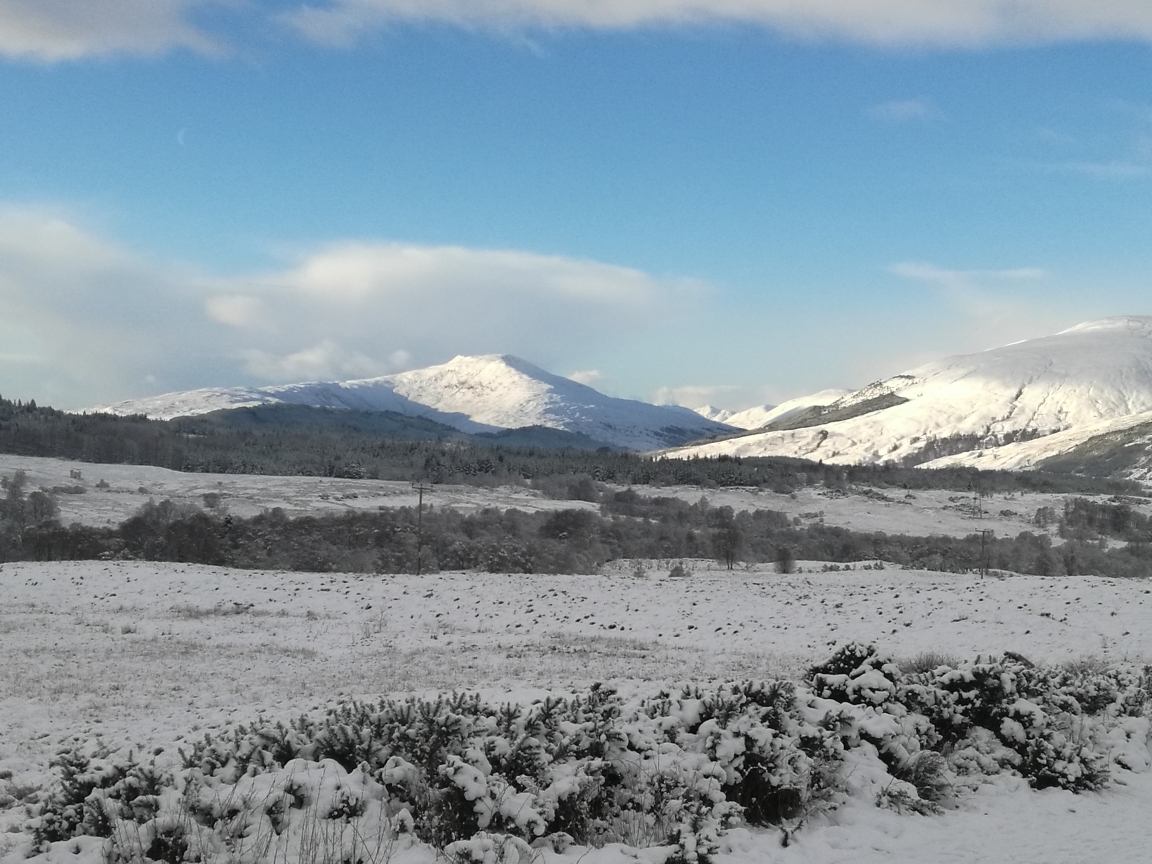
point(420, 490)
point(985, 533)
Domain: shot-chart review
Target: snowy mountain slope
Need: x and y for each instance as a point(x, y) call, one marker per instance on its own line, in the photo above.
point(759, 416)
point(1095, 372)
point(711, 412)
point(1122, 446)
point(762, 415)
point(488, 393)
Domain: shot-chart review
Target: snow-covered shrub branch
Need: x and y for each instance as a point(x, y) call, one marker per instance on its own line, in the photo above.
point(484, 781)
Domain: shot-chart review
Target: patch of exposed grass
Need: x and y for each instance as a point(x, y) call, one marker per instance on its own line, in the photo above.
point(195, 613)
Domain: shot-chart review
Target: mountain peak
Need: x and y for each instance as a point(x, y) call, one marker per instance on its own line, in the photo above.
point(1117, 323)
point(480, 364)
point(472, 393)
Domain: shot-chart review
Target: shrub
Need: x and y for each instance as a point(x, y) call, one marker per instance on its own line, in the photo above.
point(483, 781)
point(95, 788)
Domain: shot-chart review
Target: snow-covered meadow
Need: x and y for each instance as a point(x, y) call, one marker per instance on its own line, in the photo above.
point(109, 494)
point(148, 655)
point(138, 656)
point(112, 493)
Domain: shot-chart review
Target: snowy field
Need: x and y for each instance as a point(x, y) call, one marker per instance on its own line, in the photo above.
point(918, 512)
point(130, 486)
point(147, 655)
point(895, 511)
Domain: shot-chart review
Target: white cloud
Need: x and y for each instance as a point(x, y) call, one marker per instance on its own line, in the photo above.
point(587, 376)
point(85, 321)
point(879, 22)
point(406, 274)
point(61, 30)
point(902, 109)
point(728, 396)
point(55, 30)
point(324, 361)
point(692, 396)
point(236, 310)
point(439, 301)
point(56, 310)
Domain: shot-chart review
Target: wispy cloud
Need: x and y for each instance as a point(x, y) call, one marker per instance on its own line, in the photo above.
point(84, 320)
point(946, 277)
point(990, 306)
point(1113, 152)
point(902, 109)
point(61, 30)
point(55, 30)
point(1121, 169)
point(949, 23)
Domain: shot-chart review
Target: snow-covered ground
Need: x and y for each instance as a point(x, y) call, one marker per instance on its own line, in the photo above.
point(130, 486)
point(895, 511)
point(919, 512)
point(761, 415)
point(148, 655)
point(1022, 455)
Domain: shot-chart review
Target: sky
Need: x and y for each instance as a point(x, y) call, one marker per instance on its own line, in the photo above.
point(730, 202)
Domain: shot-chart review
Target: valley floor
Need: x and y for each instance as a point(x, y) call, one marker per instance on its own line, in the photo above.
point(146, 655)
point(109, 494)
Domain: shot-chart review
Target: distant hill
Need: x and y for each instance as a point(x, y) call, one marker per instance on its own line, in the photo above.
point(489, 394)
point(1066, 397)
point(387, 424)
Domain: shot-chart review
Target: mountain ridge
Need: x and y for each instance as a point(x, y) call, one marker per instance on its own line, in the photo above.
point(1097, 372)
point(484, 394)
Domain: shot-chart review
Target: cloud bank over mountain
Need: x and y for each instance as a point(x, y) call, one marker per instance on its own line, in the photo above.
point(343, 310)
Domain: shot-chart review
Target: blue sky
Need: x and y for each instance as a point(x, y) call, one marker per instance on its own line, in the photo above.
point(725, 201)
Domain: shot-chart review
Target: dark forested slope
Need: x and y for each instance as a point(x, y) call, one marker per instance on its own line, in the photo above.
point(294, 440)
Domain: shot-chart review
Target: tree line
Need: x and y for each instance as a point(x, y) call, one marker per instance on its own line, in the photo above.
point(626, 525)
point(296, 440)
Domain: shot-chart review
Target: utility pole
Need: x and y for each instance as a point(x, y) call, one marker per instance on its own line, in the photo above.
point(420, 490)
point(985, 533)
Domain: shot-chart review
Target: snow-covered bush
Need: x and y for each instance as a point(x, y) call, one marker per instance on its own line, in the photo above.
point(485, 783)
point(305, 813)
point(1047, 723)
point(96, 787)
point(679, 767)
point(485, 848)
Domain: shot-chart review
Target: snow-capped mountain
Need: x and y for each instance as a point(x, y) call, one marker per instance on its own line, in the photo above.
point(1080, 379)
point(1122, 446)
point(717, 415)
point(473, 394)
point(761, 415)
